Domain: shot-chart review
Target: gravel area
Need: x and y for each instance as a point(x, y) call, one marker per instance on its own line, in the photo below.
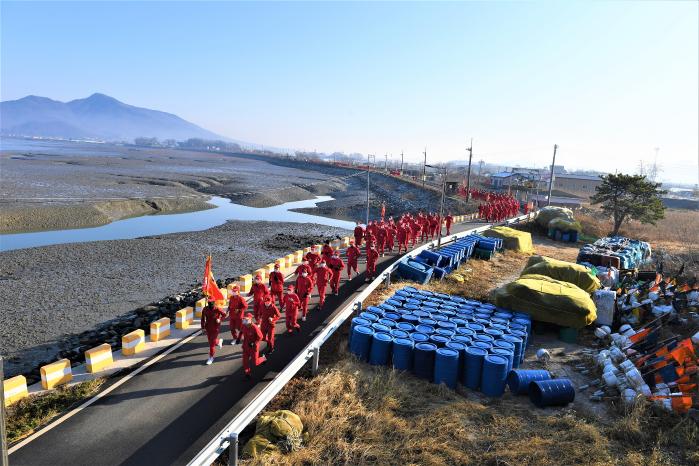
point(53, 292)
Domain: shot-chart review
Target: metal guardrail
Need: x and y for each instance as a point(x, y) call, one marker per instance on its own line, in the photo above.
point(228, 436)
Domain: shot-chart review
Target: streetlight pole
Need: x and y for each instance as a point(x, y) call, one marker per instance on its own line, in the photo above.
point(401, 163)
point(367, 189)
point(468, 178)
point(441, 204)
point(424, 167)
point(555, 148)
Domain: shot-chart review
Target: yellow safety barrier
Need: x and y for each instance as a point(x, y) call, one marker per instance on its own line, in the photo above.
point(306, 251)
point(98, 358)
point(184, 318)
point(335, 244)
point(223, 302)
point(160, 329)
point(269, 268)
point(345, 242)
point(200, 305)
point(289, 261)
point(299, 256)
point(245, 283)
point(56, 373)
point(15, 389)
point(262, 272)
point(133, 342)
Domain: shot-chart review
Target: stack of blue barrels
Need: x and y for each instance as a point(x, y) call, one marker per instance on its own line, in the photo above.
point(443, 338)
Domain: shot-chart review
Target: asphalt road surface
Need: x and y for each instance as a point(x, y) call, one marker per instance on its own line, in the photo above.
point(170, 411)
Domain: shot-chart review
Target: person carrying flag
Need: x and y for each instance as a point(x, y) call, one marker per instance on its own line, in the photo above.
point(211, 318)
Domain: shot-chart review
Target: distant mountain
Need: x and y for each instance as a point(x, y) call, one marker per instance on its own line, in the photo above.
point(96, 117)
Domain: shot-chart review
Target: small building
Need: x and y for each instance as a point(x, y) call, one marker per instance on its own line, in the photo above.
point(503, 179)
point(576, 184)
point(453, 182)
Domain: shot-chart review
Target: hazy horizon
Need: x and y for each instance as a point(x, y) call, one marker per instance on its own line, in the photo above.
point(607, 82)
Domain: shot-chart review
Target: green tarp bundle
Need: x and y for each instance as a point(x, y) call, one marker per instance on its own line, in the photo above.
point(547, 300)
point(516, 240)
point(548, 213)
point(576, 274)
point(274, 431)
point(563, 224)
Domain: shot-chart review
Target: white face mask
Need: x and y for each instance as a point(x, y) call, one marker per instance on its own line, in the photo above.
point(304, 274)
point(276, 269)
point(247, 322)
point(322, 265)
point(257, 280)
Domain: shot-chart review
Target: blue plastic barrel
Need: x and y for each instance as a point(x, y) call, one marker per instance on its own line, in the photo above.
point(354, 322)
point(483, 337)
point(395, 302)
point(519, 347)
point(421, 314)
point(476, 327)
point(490, 307)
point(387, 307)
point(403, 353)
point(411, 306)
point(437, 317)
point(423, 360)
point(447, 324)
point(462, 339)
point(507, 353)
point(426, 329)
point(369, 316)
point(482, 345)
point(403, 293)
point(458, 321)
point(446, 332)
point(465, 331)
point(443, 295)
point(447, 312)
point(495, 326)
point(518, 380)
point(418, 337)
point(503, 314)
point(378, 327)
point(387, 322)
point(361, 341)
point(392, 315)
point(461, 348)
point(406, 326)
point(410, 318)
point(446, 367)
point(427, 321)
point(439, 340)
point(553, 392)
point(471, 375)
point(494, 375)
point(380, 353)
point(481, 315)
point(499, 321)
point(425, 293)
point(525, 338)
point(458, 299)
point(397, 333)
point(483, 322)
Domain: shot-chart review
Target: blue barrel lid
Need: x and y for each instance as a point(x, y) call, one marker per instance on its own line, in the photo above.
point(458, 299)
point(403, 342)
point(517, 326)
point(482, 344)
point(427, 321)
point(421, 313)
point(430, 304)
point(388, 322)
point(447, 312)
point(448, 352)
point(417, 337)
point(361, 321)
point(364, 329)
point(446, 324)
point(382, 336)
point(504, 344)
point(402, 293)
point(483, 337)
point(519, 333)
point(496, 326)
point(425, 346)
point(380, 327)
point(502, 352)
point(374, 310)
point(496, 359)
point(443, 295)
point(480, 315)
point(392, 315)
point(422, 328)
point(492, 332)
point(483, 322)
point(456, 345)
point(458, 321)
point(394, 302)
point(511, 339)
point(398, 333)
point(405, 326)
point(488, 306)
point(414, 301)
point(410, 318)
point(476, 327)
point(387, 307)
point(499, 321)
point(439, 318)
point(462, 339)
point(465, 331)
point(503, 315)
point(409, 289)
point(439, 338)
point(445, 331)
point(369, 316)
point(476, 351)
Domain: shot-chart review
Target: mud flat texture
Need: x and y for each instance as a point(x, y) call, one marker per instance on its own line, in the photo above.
point(53, 292)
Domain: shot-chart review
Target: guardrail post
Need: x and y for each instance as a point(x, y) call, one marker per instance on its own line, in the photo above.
point(316, 359)
point(233, 450)
point(358, 307)
point(388, 279)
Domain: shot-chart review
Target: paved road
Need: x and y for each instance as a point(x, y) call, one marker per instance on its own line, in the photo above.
point(168, 413)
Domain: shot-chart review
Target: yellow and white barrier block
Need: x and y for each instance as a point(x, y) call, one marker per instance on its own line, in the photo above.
point(306, 250)
point(56, 373)
point(345, 242)
point(98, 358)
point(290, 260)
point(299, 256)
point(200, 305)
point(269, 268)
point(336, 244)
point(184, 317)
point(15, 389)
point(133, 342)
point(160, 329)
point(245, 283)
point(223, 302)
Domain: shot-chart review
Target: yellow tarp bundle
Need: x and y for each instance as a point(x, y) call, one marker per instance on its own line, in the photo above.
point(520, 241)
point(576, 274)
point(281, 429)
point(547, 300)
point(548, 213)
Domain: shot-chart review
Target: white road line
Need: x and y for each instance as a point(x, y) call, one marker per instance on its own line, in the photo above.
point(101, 394)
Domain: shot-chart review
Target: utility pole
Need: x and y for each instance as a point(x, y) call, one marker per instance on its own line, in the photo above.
point(553, 164)
point(385, 166)
point(401, 163)
point(468, 177)
point(441, 206)
point(480, 169)
point(424, 167)
point(367, 189)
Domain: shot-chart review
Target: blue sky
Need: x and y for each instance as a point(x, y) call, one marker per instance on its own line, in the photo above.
point(608, 82)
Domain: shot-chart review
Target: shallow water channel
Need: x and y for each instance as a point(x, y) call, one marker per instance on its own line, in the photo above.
point(162, 224)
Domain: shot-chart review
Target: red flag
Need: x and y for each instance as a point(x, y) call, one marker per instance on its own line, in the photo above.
point(208, 286)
